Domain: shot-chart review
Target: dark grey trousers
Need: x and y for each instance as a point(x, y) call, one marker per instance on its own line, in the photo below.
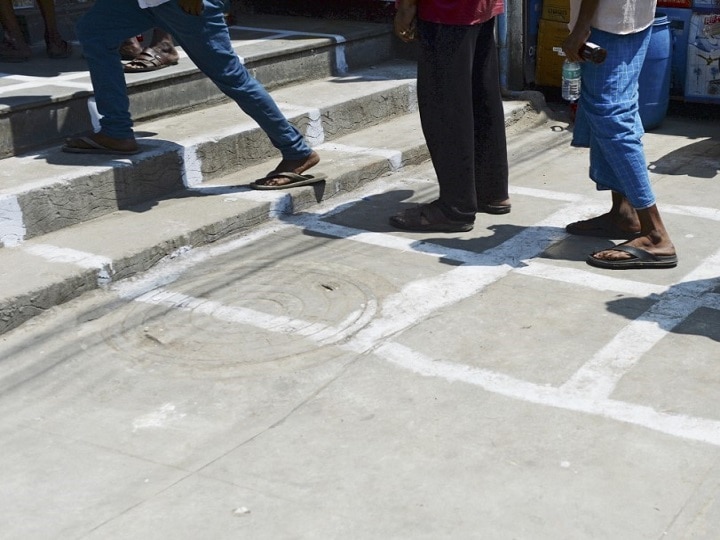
point(462, 115)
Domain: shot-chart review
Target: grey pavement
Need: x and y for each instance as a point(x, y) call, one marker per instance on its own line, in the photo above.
point(182, 357)
point(320, 375)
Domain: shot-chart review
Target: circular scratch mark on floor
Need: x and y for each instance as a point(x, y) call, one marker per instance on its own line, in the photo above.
point(263, 317)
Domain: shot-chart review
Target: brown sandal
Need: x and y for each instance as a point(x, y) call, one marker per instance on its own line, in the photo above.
point(56, 47)
point(11, 52)
point(148, 60)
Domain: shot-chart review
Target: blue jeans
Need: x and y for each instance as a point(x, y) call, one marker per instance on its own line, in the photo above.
point(608, 117)
point(206, 41)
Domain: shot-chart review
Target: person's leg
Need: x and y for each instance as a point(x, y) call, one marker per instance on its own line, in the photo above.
point(609, 102)
point(101, 30)
point(55, 45)
point(617, 156)
point(47, 9)
point(653, 248)
point(491, 163)
point(620, 222)
point(130, 48)
point(162, 39)
point(206, 41)
point(13, 47)
point(445, 100)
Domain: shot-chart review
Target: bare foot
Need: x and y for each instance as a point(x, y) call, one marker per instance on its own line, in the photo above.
point(606, 226)
point(651, 243)
point(130, 49)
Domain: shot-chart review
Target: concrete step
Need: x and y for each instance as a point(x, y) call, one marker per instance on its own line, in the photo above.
point(47, 191)
point(44, 101)
point(33, 26)
point(53, 268)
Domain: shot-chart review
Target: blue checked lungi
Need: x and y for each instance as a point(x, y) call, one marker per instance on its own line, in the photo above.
point(608, 118)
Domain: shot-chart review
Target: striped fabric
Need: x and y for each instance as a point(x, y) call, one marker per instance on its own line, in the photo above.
point(608, 119)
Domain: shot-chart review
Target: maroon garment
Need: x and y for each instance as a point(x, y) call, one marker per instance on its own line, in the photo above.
point(460, 12)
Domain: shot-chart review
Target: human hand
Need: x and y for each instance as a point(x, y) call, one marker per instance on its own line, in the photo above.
point(406, 21)
point(192, 7)
point(574, 43)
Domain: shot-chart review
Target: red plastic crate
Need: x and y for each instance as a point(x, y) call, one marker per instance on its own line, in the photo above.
point(674, 3)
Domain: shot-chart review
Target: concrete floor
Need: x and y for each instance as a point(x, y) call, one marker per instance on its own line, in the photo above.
point(325, 376)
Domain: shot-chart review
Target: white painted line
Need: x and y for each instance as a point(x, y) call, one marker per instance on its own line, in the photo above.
point(420, 298)
point(394, 157)
point(599, 376)
point(192, 175)
point(586, 392)
point(37, 84)
point(315, 133)
point(341, 65)
point(389, 241)
point(271, 36)
point(172, 267)
point(26, 82)
point(677, 425)
point(280, 202)
point(590, 280)
point(320, 333)
point(692, 211)
point(12, 225)
point(275, 33)
point(72, 256)
point(62, 77)
point(552, 195)
point(67, 255)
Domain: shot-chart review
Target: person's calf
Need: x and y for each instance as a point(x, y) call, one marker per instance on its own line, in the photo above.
point(130, 48)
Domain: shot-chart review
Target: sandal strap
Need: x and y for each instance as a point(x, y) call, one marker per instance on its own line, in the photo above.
point(425, 214)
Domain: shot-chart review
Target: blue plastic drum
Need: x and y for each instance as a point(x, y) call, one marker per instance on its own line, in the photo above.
point(654, 82)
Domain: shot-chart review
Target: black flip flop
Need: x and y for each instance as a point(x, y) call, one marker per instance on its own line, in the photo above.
point(295, 180)
point(640, 259)
point(428, 218)
point(93, 147)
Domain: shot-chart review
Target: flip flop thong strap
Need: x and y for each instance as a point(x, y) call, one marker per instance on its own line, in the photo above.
point(92, 144)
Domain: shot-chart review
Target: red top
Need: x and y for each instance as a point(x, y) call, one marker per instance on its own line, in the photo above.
point(460, 12)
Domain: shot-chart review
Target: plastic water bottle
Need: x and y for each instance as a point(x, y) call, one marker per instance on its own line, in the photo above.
point(571, 81)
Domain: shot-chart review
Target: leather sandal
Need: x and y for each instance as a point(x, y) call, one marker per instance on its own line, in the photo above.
point(428, 218)
point(10, 51)
point(56, 47)
point(148, 60)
